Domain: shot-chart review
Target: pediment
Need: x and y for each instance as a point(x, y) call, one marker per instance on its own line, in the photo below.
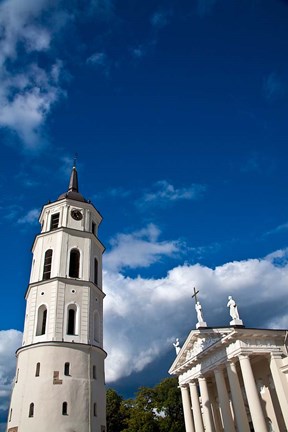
point(198, 342)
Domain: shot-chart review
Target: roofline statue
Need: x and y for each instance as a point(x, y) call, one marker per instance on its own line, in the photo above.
point(233, 309)
point(201, 323)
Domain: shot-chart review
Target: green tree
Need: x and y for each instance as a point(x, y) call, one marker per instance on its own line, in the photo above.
point(157, 409)
point(142, 416)
point(115, 411)
point(168, 404)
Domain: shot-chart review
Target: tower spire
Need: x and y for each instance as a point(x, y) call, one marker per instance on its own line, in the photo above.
point(73, 188)
point(73, 184)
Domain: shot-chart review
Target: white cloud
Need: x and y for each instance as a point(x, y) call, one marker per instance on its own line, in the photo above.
point(98, 59)
point(139, 51)
point(139, 249)
point(278, 229)
point(101, 62)
point(26, 98)
point(30, 218)
point(16, 22)
point(10, 341)
point(143, 316)
point(160, 19)
point(163, 193)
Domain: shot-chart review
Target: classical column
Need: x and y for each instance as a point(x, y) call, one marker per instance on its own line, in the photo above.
point(188, 419)
point(215, 408)
point(196, 407)
point(281, 385)
point(237, 399)
point(252, 395)
point(206, 405)
point(224, 400)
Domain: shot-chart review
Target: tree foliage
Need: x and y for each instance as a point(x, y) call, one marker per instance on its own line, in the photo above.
point(157, 409)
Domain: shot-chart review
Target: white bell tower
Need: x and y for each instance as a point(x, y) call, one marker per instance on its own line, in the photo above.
point(59, 383)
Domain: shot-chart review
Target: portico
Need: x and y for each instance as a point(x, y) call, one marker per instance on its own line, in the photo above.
point(235, 378)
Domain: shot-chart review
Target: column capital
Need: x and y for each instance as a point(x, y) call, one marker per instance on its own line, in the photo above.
point(243, 356)
point(219, 369)
point(201, 378)
point(232, 360)
point(276, 355)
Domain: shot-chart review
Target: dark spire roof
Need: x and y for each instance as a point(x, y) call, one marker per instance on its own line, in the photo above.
point(73, 192)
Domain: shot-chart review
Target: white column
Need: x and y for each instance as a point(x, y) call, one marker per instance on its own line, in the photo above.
point(215, 407)
point(188, 419)
point(224, 400)
point(252, 395)
point(237, 399)
point(280, 385)
point(196, 407)
point(206, 405)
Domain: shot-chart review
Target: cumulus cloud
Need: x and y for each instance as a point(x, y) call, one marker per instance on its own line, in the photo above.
point(10, 341)
point(143, 316)
point(139, 249)
point(163, 193)
point(26, 98)
point(30, 218)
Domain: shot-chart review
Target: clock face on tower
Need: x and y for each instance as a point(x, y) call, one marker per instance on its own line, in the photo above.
point(76, 214)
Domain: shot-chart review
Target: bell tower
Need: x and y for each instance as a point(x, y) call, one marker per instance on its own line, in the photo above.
point(59, 383)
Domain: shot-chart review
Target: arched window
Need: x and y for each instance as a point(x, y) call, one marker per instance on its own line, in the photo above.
point(65, 408)
point(96, 326)
point(67, 369)
point(37, 372)
point(74, 263)
point(41, 321)
point(47, 264)
point(95, 271)
point(72, 320)
point(31, 410)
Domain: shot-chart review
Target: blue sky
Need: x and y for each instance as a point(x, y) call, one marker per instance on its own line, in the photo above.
point(178, 112)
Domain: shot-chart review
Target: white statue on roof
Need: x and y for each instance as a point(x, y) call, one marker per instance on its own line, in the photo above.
point(233, 309)
point(177, 346)
point(198, 308)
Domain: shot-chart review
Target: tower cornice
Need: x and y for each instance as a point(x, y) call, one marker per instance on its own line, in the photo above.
point(67, 281)
point(74, 345)
point(84, 204)
point(72, 231)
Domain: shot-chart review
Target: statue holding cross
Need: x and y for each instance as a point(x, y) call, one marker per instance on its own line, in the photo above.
point(198, 308)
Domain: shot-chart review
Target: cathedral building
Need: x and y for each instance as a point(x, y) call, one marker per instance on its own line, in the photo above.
point(59, 383)
point(232, 378)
